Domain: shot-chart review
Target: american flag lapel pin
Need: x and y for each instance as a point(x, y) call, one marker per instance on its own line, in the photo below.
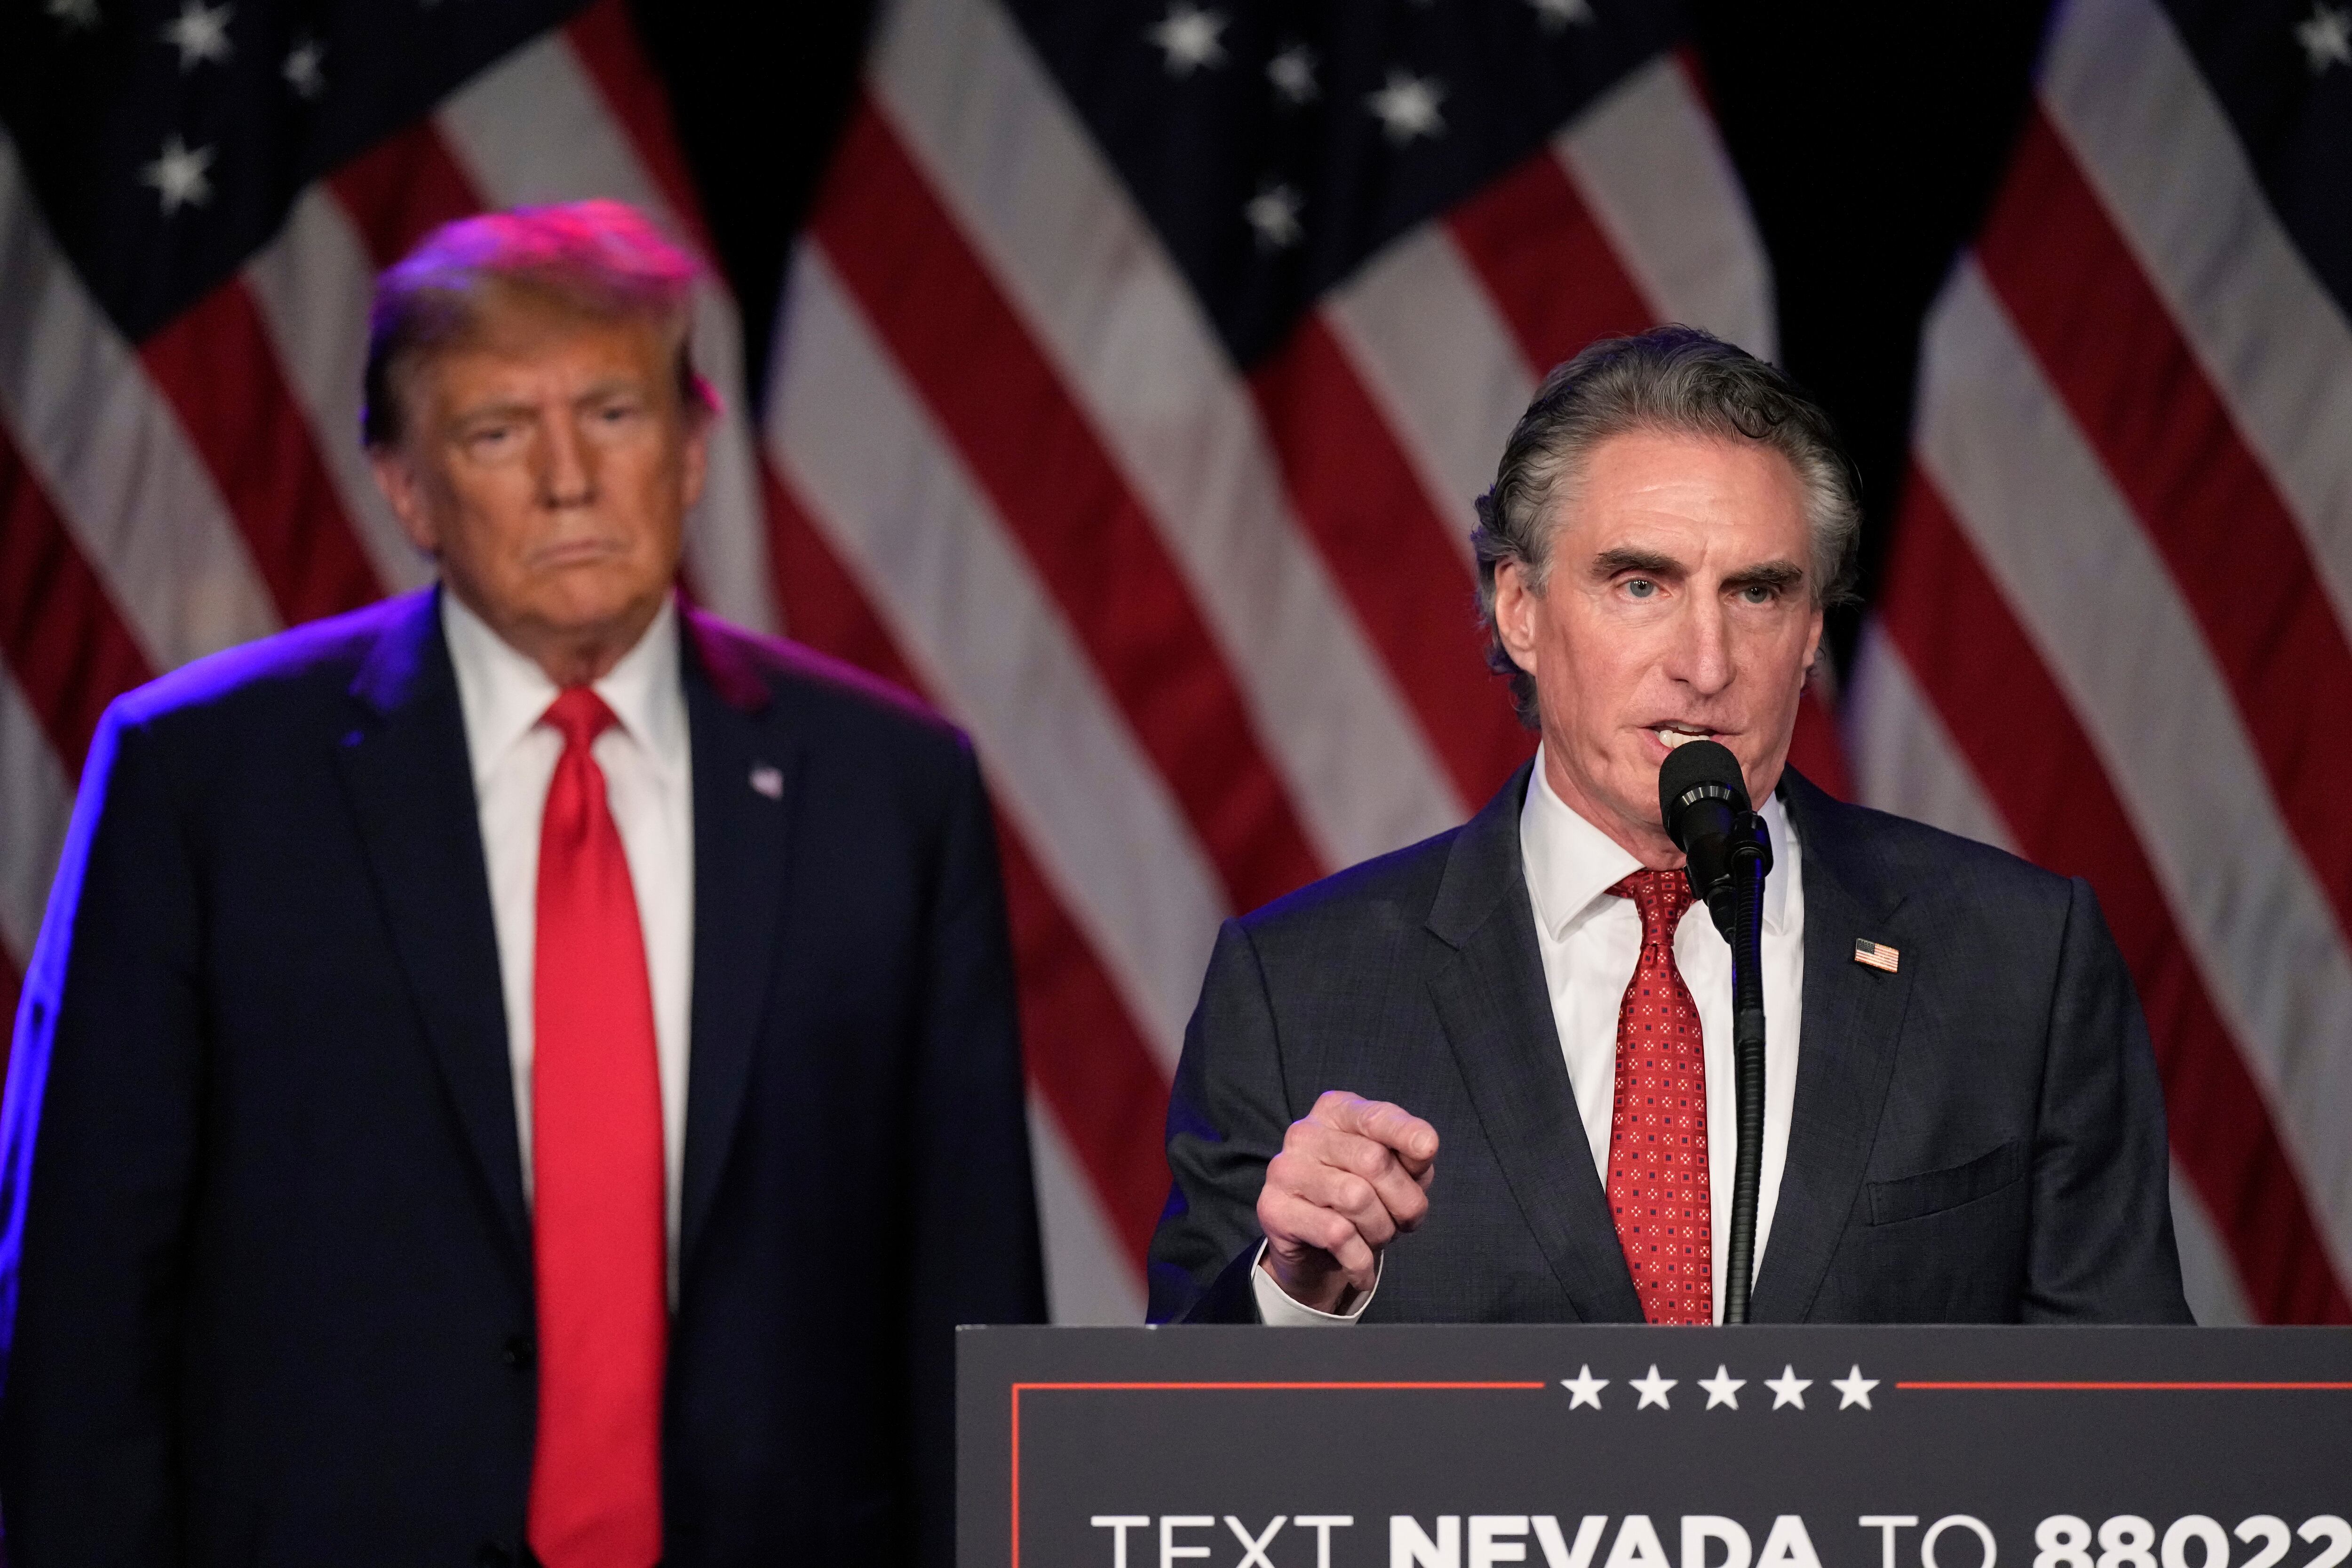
point(768, 780)
point(1876, 954)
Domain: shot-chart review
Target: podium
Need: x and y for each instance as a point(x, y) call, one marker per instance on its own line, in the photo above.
point(1652, 1447)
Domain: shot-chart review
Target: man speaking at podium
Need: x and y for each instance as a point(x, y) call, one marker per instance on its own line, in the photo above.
point(1487, 1078)
point(531, 1070)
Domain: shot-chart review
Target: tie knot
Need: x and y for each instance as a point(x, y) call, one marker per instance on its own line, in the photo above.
point(1660, 897)
point(579, 715)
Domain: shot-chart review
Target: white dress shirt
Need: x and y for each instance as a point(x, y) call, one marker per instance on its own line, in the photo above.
point(647, 762)
point(1591, 942)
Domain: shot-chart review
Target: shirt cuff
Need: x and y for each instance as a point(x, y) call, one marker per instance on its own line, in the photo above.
point(1277, 1309)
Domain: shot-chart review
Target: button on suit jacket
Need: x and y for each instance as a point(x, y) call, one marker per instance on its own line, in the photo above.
point(1977, 1137)
point(272, 1289)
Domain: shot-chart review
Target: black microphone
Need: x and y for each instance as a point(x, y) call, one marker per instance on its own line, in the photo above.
point(1703, 802)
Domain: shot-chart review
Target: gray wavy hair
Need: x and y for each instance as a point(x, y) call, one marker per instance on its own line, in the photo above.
point(1677, 380)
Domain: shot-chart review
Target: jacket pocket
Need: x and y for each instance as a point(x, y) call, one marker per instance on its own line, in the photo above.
point(1932, 1192)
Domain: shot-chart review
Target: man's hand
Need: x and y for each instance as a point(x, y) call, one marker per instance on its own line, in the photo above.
point(1352, 1175)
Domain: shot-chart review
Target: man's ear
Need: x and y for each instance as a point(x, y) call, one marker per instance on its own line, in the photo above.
point(397, 478)
point(1515, 614)
point(694, 456)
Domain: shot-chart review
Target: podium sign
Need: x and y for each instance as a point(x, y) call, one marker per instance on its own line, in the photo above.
point(1641, 1447)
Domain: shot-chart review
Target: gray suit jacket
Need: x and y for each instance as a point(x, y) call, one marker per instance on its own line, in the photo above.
point(1977, 1137)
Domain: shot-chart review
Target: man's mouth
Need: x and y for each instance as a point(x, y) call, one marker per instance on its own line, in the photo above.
point(1671, 735)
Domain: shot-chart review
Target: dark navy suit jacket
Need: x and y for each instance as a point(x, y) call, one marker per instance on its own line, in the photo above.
point(1977, 1137)
point(272, 1286)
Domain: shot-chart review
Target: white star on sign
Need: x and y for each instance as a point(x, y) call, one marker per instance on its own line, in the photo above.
point(302, 68)
point(1723, 1388)
point(1788, 1388)
point(1274, 213)
point(75, 14)
point(1293, 75)
point(1555, 15)
point(1584, 1388)
point(1188, 35)
point(1653, 1389)
point(1853, 1388)
point(179, 176)
point(2326, 37)
point(1406, 106)
point(199, 33)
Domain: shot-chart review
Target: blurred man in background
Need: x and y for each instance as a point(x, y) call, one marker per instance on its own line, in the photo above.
point(526, 1071)
point(1962, 1120)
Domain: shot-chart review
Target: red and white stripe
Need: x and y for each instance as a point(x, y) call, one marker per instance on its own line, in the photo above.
point(1450, 341)
point(2118, 580)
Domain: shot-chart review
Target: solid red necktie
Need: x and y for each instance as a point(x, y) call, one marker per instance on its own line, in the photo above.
point(599, 1250)
point(1657, 1126)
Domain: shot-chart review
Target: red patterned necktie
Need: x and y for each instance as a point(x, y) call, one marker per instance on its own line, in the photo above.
point(599, 1251)
point(1658, 1128)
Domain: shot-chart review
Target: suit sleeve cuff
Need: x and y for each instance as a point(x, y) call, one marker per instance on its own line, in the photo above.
point(1276, 1310)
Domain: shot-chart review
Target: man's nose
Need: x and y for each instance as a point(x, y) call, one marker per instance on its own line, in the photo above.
point(567, 475)
point(1700, 657)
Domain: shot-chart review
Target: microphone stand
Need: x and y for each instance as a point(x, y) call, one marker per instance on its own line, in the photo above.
point(1703, 806)
point(1751, 858)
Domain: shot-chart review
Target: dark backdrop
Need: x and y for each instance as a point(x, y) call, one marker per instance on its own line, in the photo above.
point(1870, 135)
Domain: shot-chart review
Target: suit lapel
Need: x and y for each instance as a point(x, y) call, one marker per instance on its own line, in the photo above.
point(1492, 1004)
point(405, 770)
point(1852, 1021)
point(746, 779)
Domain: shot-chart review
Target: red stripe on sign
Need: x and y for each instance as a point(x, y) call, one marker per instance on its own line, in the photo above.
point(402, 188)
point(1082, 1048)
point(1549, 266)
point(607, 45)
point(970, 359)
point(2168, 442)
point(63, 638)
point(1352, 487)
point(1979, 667)
point(217, 365)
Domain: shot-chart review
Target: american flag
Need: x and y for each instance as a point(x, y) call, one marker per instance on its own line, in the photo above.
point(2112, 633)
point(1136, 366)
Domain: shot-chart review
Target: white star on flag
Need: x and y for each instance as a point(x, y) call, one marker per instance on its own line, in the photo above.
point(1274, 213)
point(1584, 1388)
point(2326, 37)
point(1653, 1389)
point(1788, 1388)
point(1556, 15)
point(1406, 106)
point(301, 68)
point(1188, 35)
point(179, 177)
point(75, 14)
point(200, 33)
point(1723, 1388)
point(1853, 1388)
point(1293, 74)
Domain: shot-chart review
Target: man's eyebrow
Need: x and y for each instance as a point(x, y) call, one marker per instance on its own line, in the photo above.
point(606, 386)
point(1624, 558)
point(500, 408)
point(1766, 574)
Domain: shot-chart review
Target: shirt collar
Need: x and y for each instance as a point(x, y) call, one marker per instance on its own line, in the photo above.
point(503, 693)
point(1571, 864)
